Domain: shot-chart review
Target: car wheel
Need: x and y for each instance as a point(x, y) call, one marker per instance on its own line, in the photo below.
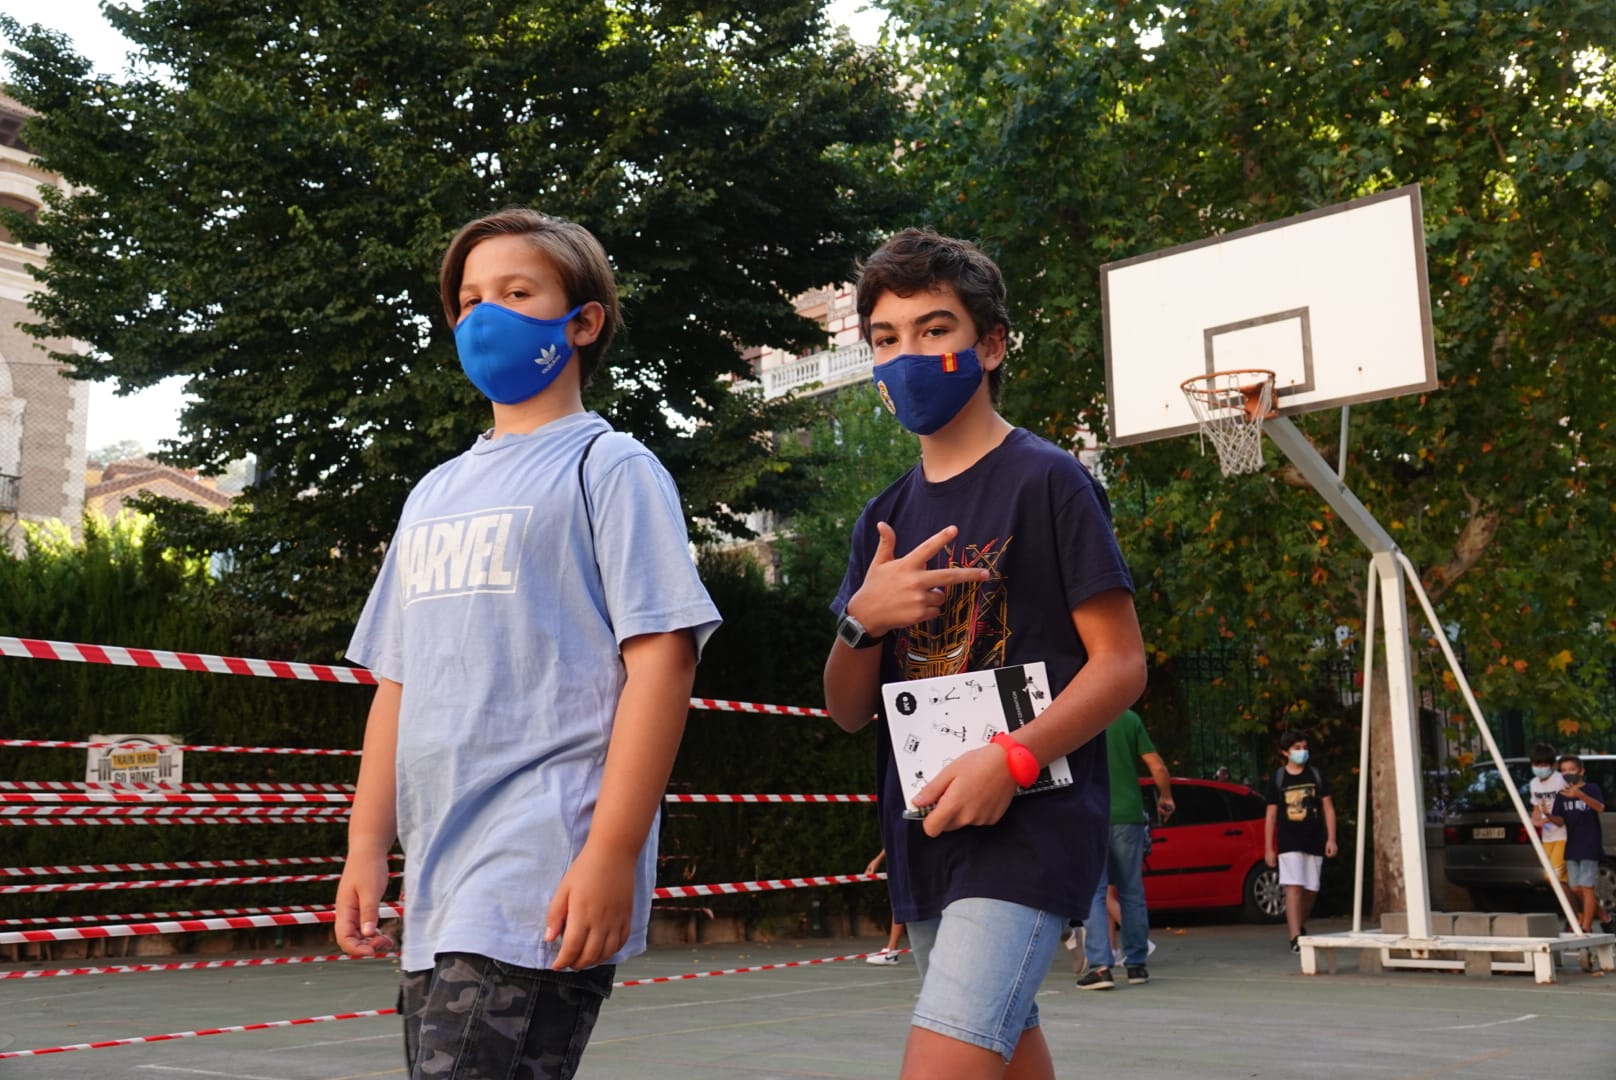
point(1264, 898)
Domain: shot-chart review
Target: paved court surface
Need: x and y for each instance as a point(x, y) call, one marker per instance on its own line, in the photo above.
point(1224, 1003)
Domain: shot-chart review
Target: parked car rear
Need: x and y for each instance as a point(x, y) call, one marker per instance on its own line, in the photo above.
point(1488, 849)
point(1209, 854)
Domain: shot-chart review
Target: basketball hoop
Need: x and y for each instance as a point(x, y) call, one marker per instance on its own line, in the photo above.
point(1230, 407)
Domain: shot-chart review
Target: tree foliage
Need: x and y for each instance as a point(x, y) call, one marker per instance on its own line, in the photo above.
point(1065, 135)
point(259, 206)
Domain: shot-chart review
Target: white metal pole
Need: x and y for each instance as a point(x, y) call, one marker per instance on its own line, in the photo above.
point(1405, 745)
point(1371, 597)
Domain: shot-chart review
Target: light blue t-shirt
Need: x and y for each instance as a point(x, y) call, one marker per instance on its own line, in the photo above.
point(490, 610)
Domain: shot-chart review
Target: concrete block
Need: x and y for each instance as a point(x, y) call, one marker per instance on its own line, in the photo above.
point(1394, 922)
point(1542, 924)
point(1472, 924)
point(1442, 923)
point(1478, 963)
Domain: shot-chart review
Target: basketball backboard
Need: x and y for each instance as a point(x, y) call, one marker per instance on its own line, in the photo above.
point(1334, 301)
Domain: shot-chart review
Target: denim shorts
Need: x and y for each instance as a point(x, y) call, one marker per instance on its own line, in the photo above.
point(981, 964)
point(1582, 873)
point(473, 1016)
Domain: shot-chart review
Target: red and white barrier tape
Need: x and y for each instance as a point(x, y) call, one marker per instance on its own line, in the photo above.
point(734, 887)
point(838, 798)
point(158, 786)
point(177, 798)
point(322, 818)
point(184, 965)
point(182, 926)
point(152, 867)
point(174, 883)
point(153, 916)
point(158, 810)
point(172, 798)
point(40, 649)
point(79, 744)
point(745, 970)
point(136, 1040)
point(370, 1013)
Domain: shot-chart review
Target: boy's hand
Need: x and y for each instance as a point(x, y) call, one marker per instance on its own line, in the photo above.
point(973, 789)
point(592, 908)
point(1270, 857)
point(359, 893)
point(1330, 850)
point(901, 591)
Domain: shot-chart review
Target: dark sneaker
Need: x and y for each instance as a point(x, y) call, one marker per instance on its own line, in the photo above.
point(1295, 945)
point(1137, 974)
point(1098, 979)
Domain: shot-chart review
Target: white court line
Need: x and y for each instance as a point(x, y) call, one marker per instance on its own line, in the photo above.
point(1491, 1023)
point(395, 1036)
point(208, 1072)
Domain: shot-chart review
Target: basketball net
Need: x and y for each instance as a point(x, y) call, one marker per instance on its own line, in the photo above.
point(1230, 407)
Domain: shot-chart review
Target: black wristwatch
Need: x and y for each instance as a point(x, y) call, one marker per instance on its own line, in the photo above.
point(853, 634)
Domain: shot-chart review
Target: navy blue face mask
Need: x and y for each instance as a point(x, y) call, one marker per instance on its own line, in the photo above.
point(509, 356)
point(926, 392)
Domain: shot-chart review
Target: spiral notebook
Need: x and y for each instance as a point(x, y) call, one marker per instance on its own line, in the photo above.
point(933, 721)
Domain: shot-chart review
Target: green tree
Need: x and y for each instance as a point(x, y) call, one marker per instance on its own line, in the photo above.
point(259, 206)
point(1065, 135)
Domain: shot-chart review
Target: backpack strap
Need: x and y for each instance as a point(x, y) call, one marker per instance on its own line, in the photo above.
point(589, 506)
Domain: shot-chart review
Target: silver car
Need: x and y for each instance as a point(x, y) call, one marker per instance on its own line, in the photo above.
point(1487, 848)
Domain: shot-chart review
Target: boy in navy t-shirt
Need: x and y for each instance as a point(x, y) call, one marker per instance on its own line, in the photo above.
point(1577, 806)
point(996, 550)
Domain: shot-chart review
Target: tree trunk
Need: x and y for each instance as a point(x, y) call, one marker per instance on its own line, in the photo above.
point(1390, 891)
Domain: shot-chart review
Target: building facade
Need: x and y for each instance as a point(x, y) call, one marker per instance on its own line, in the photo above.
point(42, 412)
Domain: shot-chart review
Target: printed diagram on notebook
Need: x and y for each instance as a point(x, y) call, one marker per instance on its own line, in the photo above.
point(933, 721)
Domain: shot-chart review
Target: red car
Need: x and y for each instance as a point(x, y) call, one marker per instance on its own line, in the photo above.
point(1209, 854)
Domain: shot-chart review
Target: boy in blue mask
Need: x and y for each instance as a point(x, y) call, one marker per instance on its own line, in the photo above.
point(1577, 807)
point(1300, 838)
point(996, 550)
point(534, 631)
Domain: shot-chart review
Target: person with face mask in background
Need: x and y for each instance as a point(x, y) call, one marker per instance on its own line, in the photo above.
point(534, 630)
point(995, 550)
point(1299, 831)
point(1545, 783)
point(1577, 807)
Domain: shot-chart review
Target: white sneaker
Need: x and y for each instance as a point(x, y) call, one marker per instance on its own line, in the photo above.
point(884, 958)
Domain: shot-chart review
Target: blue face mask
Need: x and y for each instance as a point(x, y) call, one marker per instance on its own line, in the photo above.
point(1298, 757)
point(510, 356)
point(1541, 771)
point(926, 392)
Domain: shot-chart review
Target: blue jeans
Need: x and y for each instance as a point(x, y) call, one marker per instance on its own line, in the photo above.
point(1124, 868)
point(981, 964)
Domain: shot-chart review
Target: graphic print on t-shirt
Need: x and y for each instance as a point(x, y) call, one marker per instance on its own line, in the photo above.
point(460, 554)
point(1296, 802)
point(970, 633)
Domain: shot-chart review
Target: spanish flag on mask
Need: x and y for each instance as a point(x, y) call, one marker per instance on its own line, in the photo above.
point(950, 363)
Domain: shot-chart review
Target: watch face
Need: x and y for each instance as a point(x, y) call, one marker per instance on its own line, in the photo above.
point(849, 630)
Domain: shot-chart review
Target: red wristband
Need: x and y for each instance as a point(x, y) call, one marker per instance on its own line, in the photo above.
point(1024, 767)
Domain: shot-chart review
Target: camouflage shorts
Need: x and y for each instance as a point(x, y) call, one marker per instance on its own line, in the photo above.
point(470, 1018)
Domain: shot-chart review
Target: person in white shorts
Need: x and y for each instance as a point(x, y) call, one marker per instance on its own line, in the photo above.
point(1300, 838)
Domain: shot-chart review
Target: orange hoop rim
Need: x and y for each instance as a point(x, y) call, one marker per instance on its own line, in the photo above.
point(1252, 392)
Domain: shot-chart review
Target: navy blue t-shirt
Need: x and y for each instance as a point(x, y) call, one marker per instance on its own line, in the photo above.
point(1584, 838)
point(1031, 514)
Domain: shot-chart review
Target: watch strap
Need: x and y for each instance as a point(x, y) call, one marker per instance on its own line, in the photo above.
point(1024, 768)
